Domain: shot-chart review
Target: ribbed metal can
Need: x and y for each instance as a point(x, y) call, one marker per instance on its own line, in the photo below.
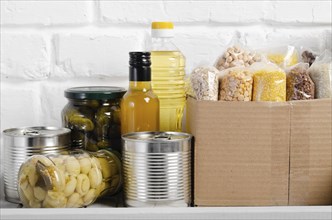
point(21, 143)
point(157, 169)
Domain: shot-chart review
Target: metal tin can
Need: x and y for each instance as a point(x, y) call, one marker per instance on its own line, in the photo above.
point(21, 143)
point(157, 169)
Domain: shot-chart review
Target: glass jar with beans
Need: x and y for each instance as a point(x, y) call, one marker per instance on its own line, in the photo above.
point(69, 180)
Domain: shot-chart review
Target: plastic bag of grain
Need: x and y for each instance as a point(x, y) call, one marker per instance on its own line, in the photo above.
point(269, 82)
point(321, 73)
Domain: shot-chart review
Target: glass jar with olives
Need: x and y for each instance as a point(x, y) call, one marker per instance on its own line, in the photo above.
point(69, 180)
point(93, 115)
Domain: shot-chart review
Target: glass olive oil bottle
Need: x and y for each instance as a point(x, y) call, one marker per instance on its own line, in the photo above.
point(139, 106)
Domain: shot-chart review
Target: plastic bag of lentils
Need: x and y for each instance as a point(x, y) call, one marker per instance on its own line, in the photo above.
point(299, 84)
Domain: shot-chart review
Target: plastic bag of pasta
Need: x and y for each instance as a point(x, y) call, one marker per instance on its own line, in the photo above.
point(204, 83)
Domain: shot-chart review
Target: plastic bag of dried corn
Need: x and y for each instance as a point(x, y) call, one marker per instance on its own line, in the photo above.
point(321, 73)
point(235, 84)
point(269, 82)
point(299, 84)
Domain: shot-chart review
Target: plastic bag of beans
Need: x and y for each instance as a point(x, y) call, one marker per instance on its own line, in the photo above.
point(235, 84)
point(236, 55)
point(321, 73)
point(299, 84)
point(269, 82)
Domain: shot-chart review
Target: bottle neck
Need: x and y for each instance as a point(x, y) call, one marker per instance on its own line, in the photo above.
point(163, 44)
point(143, 86)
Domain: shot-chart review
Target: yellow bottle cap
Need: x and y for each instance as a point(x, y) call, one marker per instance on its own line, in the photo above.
point(162, 25)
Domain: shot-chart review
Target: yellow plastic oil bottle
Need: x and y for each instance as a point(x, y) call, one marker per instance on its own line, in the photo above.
point(167, 66)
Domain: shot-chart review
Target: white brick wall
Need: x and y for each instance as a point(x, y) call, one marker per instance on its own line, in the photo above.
point(48, 46)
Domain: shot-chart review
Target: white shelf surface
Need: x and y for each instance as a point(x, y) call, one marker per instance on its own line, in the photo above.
point(104, 211)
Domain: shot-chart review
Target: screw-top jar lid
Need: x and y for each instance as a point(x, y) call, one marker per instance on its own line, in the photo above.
point(95, 92)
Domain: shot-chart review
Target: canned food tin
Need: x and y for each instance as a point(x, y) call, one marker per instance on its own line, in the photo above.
point(21, 143)
point(157, 169)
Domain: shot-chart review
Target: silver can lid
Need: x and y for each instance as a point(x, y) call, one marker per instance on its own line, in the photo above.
point(157, 136)
point(156, 142)
point(38, 136)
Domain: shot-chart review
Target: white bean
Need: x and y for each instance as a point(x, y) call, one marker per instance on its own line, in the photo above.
point(32, 176)
point(55, 200)
point(73, 201)
point(70, 186)
point(89, 197)
point(85, 165)
point(39, 193)
point(73, 166)
point(95, 177)
point(83, 184)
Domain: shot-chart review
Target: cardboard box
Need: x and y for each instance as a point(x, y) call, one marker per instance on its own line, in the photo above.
point(311, 153)
point(242, 151)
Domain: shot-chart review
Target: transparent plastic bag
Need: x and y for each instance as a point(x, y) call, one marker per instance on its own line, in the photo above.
point(236, 54)
point(283, 56)
point(235, 84)
point(188, 87)
point(269, 82)
point(321, 73)
point(204, 82)
point(299, 84)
